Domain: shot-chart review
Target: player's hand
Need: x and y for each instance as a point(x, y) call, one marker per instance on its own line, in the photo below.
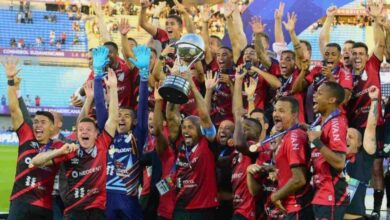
point(373, 92)
point(210, 80)
point(253, 169)
point(331, 11)
point(68, 148)
point(88, 88)
point(142, 60)
point(100, 60)
point(257, 25)
point(291, 21)
point(157, 96)
point(374, 8)
point(278, 203)
point(124, 26)
point(111, 80)
point(279, 12)
point(313, 135)
point(251, 87)
point(180, 7)
point(17, 80)
point(205, 14)
point(240, 72)
point(229, 8)
point(76, 102)
point(145, 3)
point(327, 71)
point(10, 67)
point(168, 50)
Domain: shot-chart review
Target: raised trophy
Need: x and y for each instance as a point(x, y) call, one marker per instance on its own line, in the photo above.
point(189, 49)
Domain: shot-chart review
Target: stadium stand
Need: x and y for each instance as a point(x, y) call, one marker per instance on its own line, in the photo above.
point(41, 27)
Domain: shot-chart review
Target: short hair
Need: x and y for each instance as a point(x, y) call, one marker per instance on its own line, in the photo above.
point(133, 113)
point(217, 38)
point(258, 110)
point(360, 44)
point(88, 120)
point(194, 120)
point(293, 103)
point(248, 46)
point(177, 18)
point(47, 114)
point(256, 122)
point(349, 42)
point(110, 43)
point(307, 43)
point(132, 39)
point(227, 48)
point(336, 45)
point(289, 52)
point(336, 91)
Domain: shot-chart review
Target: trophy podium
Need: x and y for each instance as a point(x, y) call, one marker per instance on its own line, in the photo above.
point(189, 49)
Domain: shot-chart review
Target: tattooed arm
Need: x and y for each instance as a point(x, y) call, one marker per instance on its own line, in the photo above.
point(369, 140)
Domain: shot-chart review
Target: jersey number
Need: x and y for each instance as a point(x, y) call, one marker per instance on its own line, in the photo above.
point(30, 181)
point(79, 192)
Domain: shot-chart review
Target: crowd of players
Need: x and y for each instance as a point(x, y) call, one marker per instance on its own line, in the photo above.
point(264, 135)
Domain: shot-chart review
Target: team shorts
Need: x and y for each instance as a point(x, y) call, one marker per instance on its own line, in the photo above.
point(20, 210)
point(194, 214)
point(121, 206)
point(304, 214)
point(328, 212)
point(89, 214)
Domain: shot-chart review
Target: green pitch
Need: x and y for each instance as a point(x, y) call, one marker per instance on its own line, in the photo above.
point(8, 156)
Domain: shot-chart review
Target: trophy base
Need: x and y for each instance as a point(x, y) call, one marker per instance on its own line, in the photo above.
point(175, 90)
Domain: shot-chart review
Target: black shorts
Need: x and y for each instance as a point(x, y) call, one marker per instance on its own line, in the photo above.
point(89, 214)
point(304, 214)
point(20, 210)
point(380, 140)
point(325, 212)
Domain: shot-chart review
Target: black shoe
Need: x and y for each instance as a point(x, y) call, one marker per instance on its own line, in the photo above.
point(375, 215)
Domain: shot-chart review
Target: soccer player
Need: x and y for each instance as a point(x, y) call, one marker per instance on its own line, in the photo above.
point(360, 158)
point(328, 155)
point(83, 170)
point(196, 185)
point(123, 168)
point(294, 193)
point(31, 194)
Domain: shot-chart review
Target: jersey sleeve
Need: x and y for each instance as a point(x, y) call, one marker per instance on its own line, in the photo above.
point(161, 35)
point(274, 69)
point(337, 135)
point(91, 76)
point(24, 133)
point(372, 66)
point(295, 147)
point(345, 79)
point(104, 140)
point(60, 159)
point(310, 76)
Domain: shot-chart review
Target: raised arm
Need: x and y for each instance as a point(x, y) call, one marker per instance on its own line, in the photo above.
point(157, 72)
point(112, 121)
point(11, 71)
point(205, 17)
point(162, 142)
point(375, 10)
point(250, 93)
point(142, 54)
point(235, 29)
point(258, 30)
point(290, 27)
point(279, 37)
point(210, 83)
point(325, 31)
point(205, 120)
point(88, 88)
point(173, 120)
point(186, 16)
point(104, 34)
point(369, 139)
point(143, 19)
point(124, 28)
point(22, 105)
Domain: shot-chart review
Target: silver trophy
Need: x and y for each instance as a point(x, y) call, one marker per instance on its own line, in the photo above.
point(189, 49)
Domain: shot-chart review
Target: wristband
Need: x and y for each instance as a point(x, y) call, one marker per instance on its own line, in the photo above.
point(251, 99)
point(375, 99)
point(157, 18)
point(318, 143)
point(161, 57)
point(11, 82)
